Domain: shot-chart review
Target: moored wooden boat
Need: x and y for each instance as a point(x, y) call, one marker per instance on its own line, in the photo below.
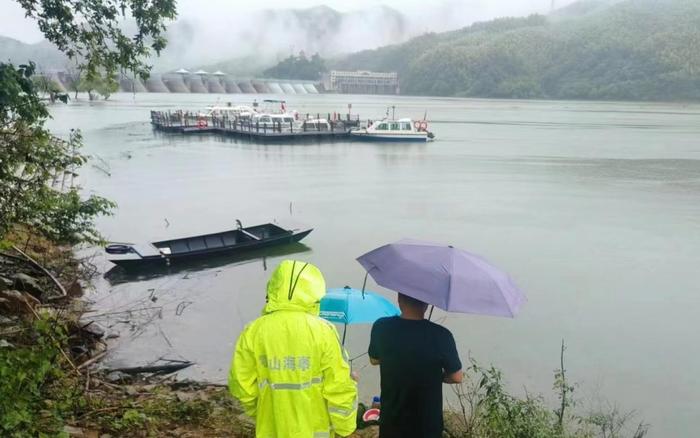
point(239, 240)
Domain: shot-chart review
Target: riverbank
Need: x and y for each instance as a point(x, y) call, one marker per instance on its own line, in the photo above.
point(52, 381)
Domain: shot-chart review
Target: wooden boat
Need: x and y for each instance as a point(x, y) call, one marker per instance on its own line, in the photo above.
point(235, 241)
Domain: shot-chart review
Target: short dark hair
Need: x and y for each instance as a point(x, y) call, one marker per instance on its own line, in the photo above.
point(412, 301)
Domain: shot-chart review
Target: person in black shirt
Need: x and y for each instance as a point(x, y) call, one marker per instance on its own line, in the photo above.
point(416, 357)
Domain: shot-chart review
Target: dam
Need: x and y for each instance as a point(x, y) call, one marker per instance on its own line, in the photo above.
point(201, 82)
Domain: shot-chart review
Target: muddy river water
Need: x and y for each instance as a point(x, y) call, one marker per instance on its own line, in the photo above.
point(594, 209)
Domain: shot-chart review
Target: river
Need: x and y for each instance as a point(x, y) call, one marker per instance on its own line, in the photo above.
point(592, 207)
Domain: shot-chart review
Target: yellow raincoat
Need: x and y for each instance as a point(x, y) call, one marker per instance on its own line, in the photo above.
point(288, 370)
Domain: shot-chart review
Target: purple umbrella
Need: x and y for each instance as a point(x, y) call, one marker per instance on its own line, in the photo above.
point(449, 278)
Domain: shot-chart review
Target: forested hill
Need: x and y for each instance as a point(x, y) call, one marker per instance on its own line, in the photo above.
point(594, 49)
point(44, 54)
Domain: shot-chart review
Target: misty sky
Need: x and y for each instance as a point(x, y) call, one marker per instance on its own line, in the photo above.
point(439, 14)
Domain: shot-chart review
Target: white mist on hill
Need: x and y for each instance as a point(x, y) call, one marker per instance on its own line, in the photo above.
point(261, 33)
point(219, 30)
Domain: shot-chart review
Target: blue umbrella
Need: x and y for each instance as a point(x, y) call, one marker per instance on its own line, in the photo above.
point(353, 306)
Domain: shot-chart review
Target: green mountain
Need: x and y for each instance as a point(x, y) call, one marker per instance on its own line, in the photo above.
point(44, 54)
point(595, 49)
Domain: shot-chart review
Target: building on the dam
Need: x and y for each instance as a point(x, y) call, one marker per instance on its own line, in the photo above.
point(361, 82)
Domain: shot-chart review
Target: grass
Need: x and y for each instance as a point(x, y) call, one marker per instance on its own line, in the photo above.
point(41, 393)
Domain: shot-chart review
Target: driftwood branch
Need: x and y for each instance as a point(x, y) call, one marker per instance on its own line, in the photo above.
point(92, 360)
point(158, 369)
point(36, 264)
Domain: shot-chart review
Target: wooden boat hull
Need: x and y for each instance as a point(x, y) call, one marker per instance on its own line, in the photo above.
point(158, 260)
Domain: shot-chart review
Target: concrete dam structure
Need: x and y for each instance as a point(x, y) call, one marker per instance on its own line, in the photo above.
point(214, 86)
point(175, 84)
point(155, 84)
point(218, 83)
point(196, 85)
point(232, 86)
point(132, 85)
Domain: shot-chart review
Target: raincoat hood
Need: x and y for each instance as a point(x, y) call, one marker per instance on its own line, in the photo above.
point(295, 285)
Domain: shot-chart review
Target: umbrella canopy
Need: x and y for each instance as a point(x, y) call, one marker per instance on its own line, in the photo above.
point(449, 278)
point(201, 72)
point(353, 306)
point(182, 71)
point(219, 73)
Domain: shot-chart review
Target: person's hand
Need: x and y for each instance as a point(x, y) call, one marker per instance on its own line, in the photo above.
point(354, 376)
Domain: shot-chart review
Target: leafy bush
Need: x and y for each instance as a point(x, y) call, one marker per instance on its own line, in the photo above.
point(27, 373)
point(486, 410)
point(30, 161)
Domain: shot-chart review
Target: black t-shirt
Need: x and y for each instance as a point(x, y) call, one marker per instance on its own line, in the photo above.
point(415, 356)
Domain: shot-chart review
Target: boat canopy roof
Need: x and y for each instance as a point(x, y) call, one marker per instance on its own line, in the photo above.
point(230, 108)
point(386, 119)
point(275, 115)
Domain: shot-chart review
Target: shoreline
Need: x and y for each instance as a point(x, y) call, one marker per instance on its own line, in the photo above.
point(53, 356)
point(74, 394)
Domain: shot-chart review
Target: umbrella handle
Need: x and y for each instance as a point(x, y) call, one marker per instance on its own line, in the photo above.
point(345, 332)
point(364, 283)
point(430, 315)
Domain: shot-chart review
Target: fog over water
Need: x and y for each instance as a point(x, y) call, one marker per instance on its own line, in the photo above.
point(592, 207)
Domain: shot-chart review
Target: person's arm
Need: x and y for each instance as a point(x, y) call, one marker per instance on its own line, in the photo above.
point(451, 366)
point(243, 376)
point(373, 350)
point(455, 377)
point(339, 389)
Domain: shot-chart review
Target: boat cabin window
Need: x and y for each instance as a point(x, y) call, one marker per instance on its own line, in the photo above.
point(319, 126)
point(288, 120)
point(265, 120)
point(382, 127)
point(394, 126)
point(405, 126)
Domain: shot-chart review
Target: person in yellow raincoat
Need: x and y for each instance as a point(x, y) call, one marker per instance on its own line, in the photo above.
point(289, 370)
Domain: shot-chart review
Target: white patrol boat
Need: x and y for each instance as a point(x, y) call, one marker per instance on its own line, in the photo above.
point(231, 111)
point(394, 130)
point(266, 120)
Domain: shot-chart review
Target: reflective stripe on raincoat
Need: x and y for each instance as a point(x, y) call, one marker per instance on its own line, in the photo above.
point(288, 370)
